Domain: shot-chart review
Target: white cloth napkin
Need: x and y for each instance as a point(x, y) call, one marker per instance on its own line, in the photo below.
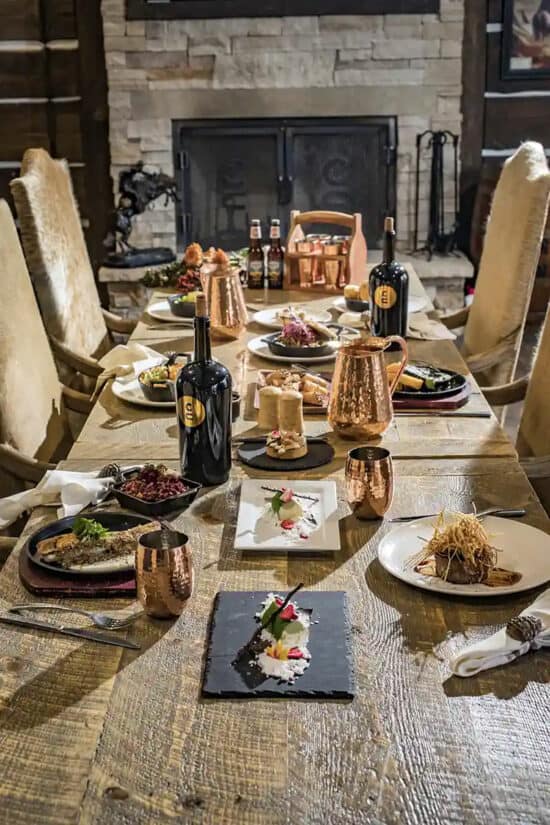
point(73, 491)
point(424, 328)
point(121, 361)
point(500, 648)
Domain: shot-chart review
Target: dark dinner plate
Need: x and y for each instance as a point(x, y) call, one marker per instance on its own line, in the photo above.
point(454, 386)
point(112, 521)
point(302, 352)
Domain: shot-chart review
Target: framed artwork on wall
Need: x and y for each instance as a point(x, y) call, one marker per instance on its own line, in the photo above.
point(526, 39)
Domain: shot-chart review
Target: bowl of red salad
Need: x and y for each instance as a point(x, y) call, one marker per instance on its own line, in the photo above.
point(155, 490)
point(301, 339)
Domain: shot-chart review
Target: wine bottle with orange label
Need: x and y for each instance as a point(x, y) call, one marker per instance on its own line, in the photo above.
point(203, 393)
point(389, 290)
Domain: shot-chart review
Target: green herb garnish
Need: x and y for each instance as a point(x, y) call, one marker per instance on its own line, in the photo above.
point(277, 502)
point(86, 529)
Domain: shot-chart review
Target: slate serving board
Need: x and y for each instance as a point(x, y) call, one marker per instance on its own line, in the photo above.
point(229, 675)
point(255, 455)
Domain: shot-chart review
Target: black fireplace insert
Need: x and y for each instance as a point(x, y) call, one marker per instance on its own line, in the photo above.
point(230, 171)
point(189, 9)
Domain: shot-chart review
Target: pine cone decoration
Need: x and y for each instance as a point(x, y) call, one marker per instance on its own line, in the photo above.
point(524, 628)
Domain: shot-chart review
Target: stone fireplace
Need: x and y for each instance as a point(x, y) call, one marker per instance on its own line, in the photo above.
point(162, 73)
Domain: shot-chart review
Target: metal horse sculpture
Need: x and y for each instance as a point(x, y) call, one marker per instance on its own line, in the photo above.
point(137, 190)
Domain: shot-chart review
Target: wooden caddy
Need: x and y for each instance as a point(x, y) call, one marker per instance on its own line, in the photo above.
point(355, 260)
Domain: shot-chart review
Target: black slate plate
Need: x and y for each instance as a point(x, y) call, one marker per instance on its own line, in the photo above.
point(111, 520)
point(453, 387)
point(229, 675)
point(254, 454)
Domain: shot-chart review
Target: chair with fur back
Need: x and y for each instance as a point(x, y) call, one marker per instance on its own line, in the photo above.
point(533, 440)
point(34, 425)
point(494, 323)
point(59, 264)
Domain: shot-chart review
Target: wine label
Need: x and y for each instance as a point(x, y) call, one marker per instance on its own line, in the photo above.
point(385, 296)
point(192, 411)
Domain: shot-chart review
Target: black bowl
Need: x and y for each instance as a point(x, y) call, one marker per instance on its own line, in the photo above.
point(161, 391)
point(277, 348)
point(156, 509)
point(183, 309)
point(355, 305)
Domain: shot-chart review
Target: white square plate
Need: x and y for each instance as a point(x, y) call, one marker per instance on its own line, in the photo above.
point(258, 527)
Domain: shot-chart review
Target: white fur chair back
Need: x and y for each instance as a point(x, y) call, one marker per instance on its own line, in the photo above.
point(56, 253)
point(509, 261)
point(534, 428)
point(31, 417)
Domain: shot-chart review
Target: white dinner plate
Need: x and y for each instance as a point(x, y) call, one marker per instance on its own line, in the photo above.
point(416, 304)
point(257, 347)
point(268, 317)
point(131, 392)
point(524, 549)
point(161, 311)
point(258, 527)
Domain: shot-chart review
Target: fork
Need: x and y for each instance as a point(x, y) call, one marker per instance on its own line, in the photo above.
point(97, 619)
point(492, 511)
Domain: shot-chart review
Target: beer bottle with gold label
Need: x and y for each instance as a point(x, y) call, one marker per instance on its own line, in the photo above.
point(203, 398)
point(389, 290)
point(256, 263)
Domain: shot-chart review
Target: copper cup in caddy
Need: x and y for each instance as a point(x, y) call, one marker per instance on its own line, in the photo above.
point(164, 573)
point(369, 482)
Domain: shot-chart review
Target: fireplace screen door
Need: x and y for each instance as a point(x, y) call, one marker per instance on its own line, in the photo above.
point(231, 171)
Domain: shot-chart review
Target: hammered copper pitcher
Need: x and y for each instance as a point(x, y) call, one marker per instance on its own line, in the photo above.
point(226, 305)
point(360, 399)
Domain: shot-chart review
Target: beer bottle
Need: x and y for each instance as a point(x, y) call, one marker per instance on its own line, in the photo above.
point(256, 265)
point(275, 257)
point(389, 290)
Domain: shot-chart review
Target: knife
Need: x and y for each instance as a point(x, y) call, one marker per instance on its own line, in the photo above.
point(79, 632)
point(440, 414)
point(493, 511)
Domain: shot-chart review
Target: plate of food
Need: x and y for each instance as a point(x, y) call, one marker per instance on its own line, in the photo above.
point(422, 381)
point(277, 317)
point(153, 382)
point(300, 342)
point(161, 311)
point(416, 303)
point(313, 387)
point(461, 555)
point(154, 490)
point(293, 516)
point(97, 543)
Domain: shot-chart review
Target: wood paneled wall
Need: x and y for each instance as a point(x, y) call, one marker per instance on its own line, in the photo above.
point(53, 94)
point(498, 115)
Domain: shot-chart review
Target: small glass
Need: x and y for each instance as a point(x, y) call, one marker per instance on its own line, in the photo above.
point(369, 482)
point(164, 573)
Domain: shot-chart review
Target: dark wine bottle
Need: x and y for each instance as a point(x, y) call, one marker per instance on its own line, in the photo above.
point(203, 392)
point(389, 290)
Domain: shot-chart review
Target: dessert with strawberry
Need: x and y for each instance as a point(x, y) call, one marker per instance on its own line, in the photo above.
point(281, 646)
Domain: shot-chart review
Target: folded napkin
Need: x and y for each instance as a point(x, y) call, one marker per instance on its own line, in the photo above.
point(424, 328)
point(501, 648)
point(121, 361)
point(73, 491)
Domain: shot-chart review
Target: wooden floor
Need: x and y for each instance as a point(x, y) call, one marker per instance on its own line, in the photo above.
point(92, 734)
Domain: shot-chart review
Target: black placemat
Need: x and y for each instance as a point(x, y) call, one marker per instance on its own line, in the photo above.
point(228, 673)
point(254, 454)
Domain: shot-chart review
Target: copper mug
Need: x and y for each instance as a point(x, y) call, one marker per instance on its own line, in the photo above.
point(360, 403)
point(164, 573)
point(369, 482)
point(225, 301)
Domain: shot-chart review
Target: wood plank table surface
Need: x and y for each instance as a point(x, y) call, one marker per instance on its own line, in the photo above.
point(93, 734)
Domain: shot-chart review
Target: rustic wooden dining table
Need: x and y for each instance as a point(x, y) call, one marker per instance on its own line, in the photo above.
point(96, 734)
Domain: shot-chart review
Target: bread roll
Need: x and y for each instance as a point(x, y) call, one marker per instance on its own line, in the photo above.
point(364, 291)
point(291, 417)
point(351, 291)
point(268, 414)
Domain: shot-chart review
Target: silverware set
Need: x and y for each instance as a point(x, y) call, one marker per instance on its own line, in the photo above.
point(492, 511)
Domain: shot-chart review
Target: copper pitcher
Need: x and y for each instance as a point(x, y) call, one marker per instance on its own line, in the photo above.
point(360, 404)
point(225, 300)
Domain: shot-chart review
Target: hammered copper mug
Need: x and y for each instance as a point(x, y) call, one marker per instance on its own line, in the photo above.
point(369, 482)
point(164, 573)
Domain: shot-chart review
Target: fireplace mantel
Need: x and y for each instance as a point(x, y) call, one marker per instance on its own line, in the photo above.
point(204, 9)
